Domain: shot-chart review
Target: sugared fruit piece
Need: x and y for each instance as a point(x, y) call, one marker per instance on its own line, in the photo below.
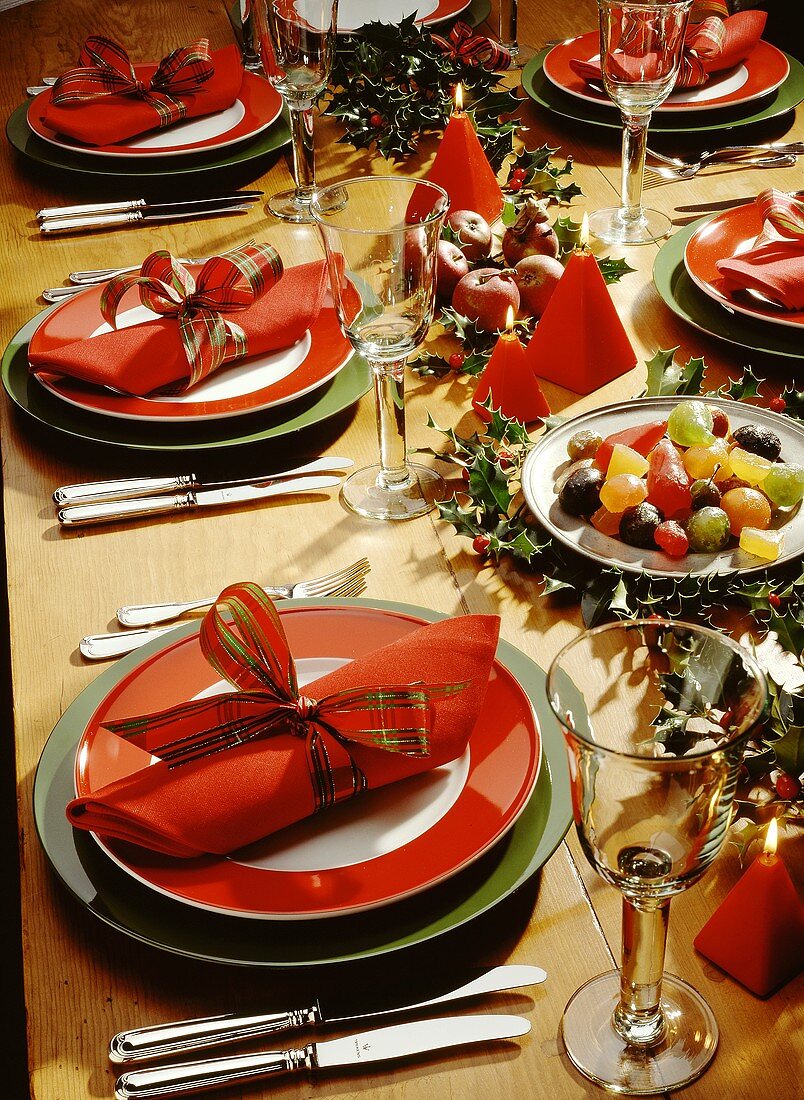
point(704, 494)
point(668, 482)
point(746, 508)
point(784, 484)
point(580, 493)
point(701, 461)
point(606, 522)
point(584, 444)
point(759, 440)
point(642, 439)
point(751, 467)
point(720, 423)
point(623, 491)
point(708, 530)
point(672, 538)
point(762, 544)
point(638, 525)
point(625, 460)
point(690, 422)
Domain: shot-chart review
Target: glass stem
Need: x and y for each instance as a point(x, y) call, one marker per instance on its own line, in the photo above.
point(389, 393)
point(635, 140)
point(301, 124)
point(508, 25)
point(638, 1017)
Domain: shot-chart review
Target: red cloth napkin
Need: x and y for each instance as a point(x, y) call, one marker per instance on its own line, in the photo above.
point(221, 802)
point(118, 117)
point(701, 57)
point(151, 356)
point(775, 265)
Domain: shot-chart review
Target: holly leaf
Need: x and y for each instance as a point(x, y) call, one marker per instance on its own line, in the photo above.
point(597, 596)
point(489, 485)
point(506, 429)
point(613, 270)
point(794, 402)
point(666, 378)
point(738, 389)
point(789, 750)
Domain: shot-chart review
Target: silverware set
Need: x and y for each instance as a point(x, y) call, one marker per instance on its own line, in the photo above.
point(110, 215)
point(188, 1036)
point(777, 155)
point(348, 581)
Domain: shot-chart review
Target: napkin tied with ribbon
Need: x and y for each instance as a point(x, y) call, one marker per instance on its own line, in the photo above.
point(710, 47)
point(477, 50)
point(237, 767)
point(106, 99)
point(774, 265)
point(194, 333)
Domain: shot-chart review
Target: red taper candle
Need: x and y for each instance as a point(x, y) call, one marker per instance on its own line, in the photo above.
point(514, 388)
point(462, 168)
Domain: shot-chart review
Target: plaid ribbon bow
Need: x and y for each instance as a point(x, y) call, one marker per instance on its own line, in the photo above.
point(782, 219)
point(473, 49)
point(250, 650)
point(104, 69)
point(225, 284)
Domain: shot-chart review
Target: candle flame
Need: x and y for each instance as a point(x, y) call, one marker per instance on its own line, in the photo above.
point(584, 234)
point(459, 97)
point(771, 838)
point(509, 320)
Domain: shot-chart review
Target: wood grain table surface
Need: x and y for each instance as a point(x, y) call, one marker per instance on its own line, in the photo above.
point(84, 981)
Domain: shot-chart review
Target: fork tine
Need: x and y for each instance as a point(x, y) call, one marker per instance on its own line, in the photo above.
point(321, 586)
point(350, 588)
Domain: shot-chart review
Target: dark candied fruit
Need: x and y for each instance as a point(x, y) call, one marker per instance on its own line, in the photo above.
point(732, 483)
point(638, 525)
point(705, 494)
point(759, 440)
point(720, 423)
point(580, 493)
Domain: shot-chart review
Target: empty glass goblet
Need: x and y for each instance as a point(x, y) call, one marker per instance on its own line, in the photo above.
point(380, 234)
point(640, 52)
point(655, 716)
point(297, 46)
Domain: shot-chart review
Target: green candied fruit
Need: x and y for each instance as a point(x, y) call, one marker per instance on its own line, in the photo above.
point(689, 423)
point(584, 444)
point(708, 530)
point(784, 484)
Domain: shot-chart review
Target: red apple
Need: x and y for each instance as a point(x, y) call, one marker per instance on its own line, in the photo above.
point(530, 235)
point(484, 296)
point(473, 234)
point(451, 266)
point(537, 277)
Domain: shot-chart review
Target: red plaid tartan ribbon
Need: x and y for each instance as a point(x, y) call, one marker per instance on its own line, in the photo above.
point(250, 650)
point(104, 69)
point(473, 49)
point(225, 284)
point(782, 219)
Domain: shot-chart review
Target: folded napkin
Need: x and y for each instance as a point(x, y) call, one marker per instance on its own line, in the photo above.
point(774, 266)
point(232, 310)
point(709, 47)
point(106, 99)
point(235, 768)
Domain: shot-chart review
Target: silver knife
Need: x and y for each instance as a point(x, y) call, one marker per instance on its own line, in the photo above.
point(124, 205)
point(186, 1036)
point(123, 489)
point(139, 507)
point(365, 1048)
point(136, 217)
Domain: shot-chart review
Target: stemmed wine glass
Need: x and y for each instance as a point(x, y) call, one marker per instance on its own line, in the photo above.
point(655, 716)
point(640, 52)
point(297, 46)
point(380, 234)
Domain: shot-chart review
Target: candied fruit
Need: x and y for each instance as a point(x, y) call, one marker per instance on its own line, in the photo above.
point(746, 508)
point(625, 460)
point(704, 494)
point(762, 544)
point(580, 493)
point(784, 484)
point(606, 522)
point(700, 461)
point(584, 444)
point(672, 538)
point(642, 438)
point(638, 524)
point(708, 530)
point(748, 466)
point(690, 422)
point(759, 440)
point(720, 422)
point(622, 491)
point(668, 482)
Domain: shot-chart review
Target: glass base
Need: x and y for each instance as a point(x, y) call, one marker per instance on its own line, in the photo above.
point(610, 226)
point(364, 493)
point(595, 1048)
point(286, 206)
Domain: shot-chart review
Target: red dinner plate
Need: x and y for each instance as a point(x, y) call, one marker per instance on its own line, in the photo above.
point(353, 14)
point(383, 846)
point(730, 234)
point(759, 75)
point(257, 106)
point(251, 385)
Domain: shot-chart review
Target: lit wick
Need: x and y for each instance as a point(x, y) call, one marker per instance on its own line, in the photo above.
point(771, 840)
point(458, 100)
point(583, 236)
point(509, 333)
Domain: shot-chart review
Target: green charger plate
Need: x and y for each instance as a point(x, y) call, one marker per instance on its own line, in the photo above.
point(119, 901)
point(786, 98)
point(347, 387)
point(687, 301)
point(148, 169)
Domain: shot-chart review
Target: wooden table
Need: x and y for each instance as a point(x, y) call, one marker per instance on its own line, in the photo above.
point(83, 981)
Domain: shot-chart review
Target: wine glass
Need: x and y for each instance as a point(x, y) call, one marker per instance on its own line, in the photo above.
point(640, 52)
point(655, 716)
point(297, 46)
point(380, 234)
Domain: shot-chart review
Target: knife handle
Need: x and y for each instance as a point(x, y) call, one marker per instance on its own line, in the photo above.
point(113, 510)
point(89, 208)
point(92, 221)
point(211, 1073)
point(102, 647)
point(185, 1036)
point(121, 489)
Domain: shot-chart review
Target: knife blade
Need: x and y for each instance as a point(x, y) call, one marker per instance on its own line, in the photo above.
point(94, 492)
point(364, 1048)
point(124, 205)
point(136, 217)
point(139, 507)
point(186, 1036)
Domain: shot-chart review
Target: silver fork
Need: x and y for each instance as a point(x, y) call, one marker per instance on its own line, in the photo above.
point(727, 152)
point(659, 174)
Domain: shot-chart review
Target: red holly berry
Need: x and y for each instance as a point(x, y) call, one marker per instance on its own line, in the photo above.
point(376, 120)
point(514, 184)
point(774, 601)
point(456, 360)
point(778, 404)
point(787, 787)
point(505, 459)
point(519, 174)
point(480, 544)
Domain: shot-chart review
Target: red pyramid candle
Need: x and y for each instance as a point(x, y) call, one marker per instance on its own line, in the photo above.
point(462, 168)
point(580, 342)
point(514, 388)
point(757, 934)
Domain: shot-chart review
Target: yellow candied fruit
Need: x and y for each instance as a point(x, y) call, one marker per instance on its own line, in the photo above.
point(701, 462)
point(606, 522)
point(762, 544)
point(625, 460)
point(749, 467)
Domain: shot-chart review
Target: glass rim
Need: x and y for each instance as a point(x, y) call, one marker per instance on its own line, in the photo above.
point(631, 624)
point(322, 219)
